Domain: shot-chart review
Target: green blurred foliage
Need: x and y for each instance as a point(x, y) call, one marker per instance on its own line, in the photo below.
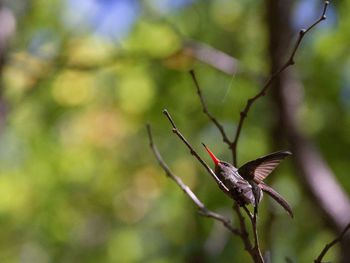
point(78, 182)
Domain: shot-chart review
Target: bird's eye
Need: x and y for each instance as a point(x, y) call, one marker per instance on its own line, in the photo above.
point(225, 164)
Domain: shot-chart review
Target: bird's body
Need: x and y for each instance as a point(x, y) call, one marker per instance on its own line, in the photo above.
point(241, 189)
point(246, 184)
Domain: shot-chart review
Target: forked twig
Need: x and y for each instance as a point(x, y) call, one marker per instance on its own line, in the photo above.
point(243, 114)
point(254, 251)
point(289, 62)
point(331, 244)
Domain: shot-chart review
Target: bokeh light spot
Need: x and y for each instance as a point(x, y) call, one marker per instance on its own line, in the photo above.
point(136, 92)
point(154, 39)
point(73, 88)
point(89, 51)
point(125, 246)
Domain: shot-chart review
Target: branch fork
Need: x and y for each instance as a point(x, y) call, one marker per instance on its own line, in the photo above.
point(253, 250)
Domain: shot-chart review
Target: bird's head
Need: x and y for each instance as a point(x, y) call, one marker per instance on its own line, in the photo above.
point(220, 166)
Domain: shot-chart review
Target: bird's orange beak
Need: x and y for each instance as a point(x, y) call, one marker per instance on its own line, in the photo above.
point(216, 160)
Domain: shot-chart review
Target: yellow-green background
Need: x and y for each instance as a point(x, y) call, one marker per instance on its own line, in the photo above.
point(78, 181)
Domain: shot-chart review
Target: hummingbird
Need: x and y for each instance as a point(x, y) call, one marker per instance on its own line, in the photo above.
point(246, 184)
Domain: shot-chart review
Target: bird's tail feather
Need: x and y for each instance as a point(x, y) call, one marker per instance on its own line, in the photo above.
point(277, 197)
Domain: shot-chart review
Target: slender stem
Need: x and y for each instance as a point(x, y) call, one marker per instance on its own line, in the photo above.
point(331, 244)
point(254, 251)
point(254, 220)
point(255, 230)
point(243, 229)
point(206, 111)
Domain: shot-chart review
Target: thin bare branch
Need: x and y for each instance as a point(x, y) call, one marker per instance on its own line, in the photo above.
point(249, 214)
point(254, 220)
point(206, 111)
point(331, 244)
point(194, 153)
point(289, 62)
point(304, 31)
point(225, 221)
point(187, 190)
point(254, 251)
point(255, 231)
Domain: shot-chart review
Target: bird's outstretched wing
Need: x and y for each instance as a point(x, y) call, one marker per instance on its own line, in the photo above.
point(260, 168)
